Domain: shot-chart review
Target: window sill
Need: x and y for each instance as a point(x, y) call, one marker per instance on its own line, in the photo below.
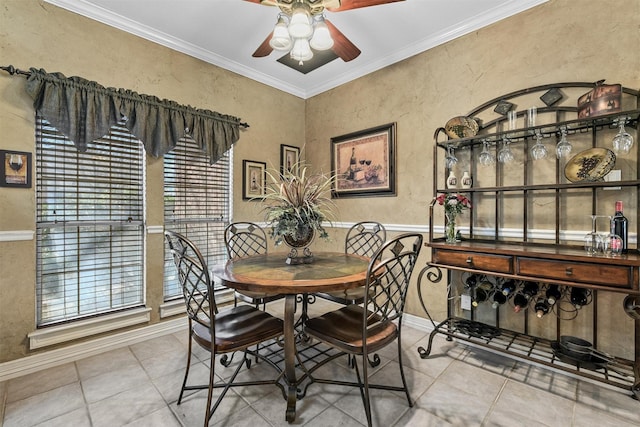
point(84, 328)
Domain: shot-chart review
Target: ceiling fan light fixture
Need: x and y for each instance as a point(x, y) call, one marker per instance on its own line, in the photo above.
point(280, 39)
point(301, 51)
point(321, 39)
point(300, 25)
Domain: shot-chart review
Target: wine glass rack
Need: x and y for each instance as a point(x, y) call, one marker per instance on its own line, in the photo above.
point(503, 242)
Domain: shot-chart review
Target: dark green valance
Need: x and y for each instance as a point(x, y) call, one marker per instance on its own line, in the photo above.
point(84, 111)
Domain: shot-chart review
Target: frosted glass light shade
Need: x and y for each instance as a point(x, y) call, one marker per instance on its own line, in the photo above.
point(300, 25)
point(301, 50)
point(321, 39)
point(280, 39)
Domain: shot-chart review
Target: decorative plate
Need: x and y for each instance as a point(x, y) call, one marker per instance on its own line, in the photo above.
point(461, 127)
point(590, 165)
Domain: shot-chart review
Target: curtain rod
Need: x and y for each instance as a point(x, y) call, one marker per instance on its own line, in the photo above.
point(13, 70)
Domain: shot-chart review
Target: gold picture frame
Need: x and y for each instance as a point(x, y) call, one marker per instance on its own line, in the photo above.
point(364, 163)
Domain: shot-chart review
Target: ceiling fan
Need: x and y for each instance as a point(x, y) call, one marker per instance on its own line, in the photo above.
point(302, 29)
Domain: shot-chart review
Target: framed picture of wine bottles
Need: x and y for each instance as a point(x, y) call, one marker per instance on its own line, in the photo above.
point(15, 169)
point(364, 162)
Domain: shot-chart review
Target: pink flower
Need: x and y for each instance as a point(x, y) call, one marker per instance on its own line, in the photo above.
point(453, 203)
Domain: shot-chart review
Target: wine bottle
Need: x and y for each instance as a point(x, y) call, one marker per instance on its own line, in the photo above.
point(352, 164)
point(498, 299)
point(620, 225)
point(553, 294)
point(508, 287)
point(541, 307)
point(578, 297)
point(530, 289)
point(471, 281)
point(519, 302)
point(481, 292)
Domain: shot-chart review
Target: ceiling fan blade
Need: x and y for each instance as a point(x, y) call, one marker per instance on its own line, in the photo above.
point(342, 46)
point(265, 48)
point(356, 4)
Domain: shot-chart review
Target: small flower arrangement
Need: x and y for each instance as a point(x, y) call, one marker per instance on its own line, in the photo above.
point(453, 204)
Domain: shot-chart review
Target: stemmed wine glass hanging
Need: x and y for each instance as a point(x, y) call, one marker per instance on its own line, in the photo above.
point(623, 141)
point(486, 158)
point(505, 155)
point(450, 159)
point(539, 151)
point(564, 147)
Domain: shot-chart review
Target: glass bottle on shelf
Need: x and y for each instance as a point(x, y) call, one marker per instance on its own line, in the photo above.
point(553, 294)
point(620, 225)
point(480, 293)
point(508, 286)
point(498, 299)
point(520, 302)
point(542, 307)
point(579, 297)
point(530, 289)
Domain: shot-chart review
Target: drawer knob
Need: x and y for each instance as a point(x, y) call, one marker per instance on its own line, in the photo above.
point(568, 271)
point(469, 260)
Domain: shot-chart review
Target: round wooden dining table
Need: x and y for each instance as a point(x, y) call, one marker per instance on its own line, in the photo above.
point(329, 271)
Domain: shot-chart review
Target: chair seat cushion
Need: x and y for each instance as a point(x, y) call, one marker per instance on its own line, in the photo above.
point(238, 328)
point(343, 329)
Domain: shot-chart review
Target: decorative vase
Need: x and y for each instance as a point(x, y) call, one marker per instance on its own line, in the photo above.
point(450, 227)
point(300, 242)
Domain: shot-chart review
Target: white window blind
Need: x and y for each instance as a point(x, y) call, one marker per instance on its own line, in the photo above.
point(197, 204)
point(90, 225)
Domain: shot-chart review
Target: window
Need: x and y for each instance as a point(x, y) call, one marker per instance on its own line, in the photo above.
point(197, 204)
point(89, 225)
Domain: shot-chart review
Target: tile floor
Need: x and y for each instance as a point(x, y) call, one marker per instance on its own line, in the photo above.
point(457, 385)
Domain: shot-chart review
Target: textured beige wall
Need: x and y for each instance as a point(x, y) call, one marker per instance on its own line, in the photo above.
point(37, 34)
point(562, 40)
point(559, 41)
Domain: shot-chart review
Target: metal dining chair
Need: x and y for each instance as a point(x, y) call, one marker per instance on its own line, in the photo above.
point(361, 329)
point(363, 238)
point(232, 330)
point(243, 239)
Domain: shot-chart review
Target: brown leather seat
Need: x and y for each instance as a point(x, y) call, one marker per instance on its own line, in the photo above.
point(361, 329)
point(229, 331)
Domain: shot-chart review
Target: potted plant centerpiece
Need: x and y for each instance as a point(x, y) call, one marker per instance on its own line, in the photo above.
point(296, 203)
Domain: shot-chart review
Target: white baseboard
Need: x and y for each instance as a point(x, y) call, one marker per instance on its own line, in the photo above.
point(52, 358)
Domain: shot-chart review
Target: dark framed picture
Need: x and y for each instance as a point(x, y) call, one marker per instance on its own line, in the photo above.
point(254, 177)
point(364, 163)
point(289, 159)
point(15, 169)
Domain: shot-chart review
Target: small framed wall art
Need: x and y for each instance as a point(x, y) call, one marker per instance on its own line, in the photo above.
point(15, 169)
point(289, 159)
point(254, 177)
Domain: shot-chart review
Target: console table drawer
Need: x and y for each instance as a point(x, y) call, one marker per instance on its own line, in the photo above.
point(474, 260)
point(601, 274)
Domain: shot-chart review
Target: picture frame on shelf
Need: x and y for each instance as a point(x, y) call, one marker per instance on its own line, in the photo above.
point(289, 159)
point(364, 162)
point(15, 169)
point(254, 180)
